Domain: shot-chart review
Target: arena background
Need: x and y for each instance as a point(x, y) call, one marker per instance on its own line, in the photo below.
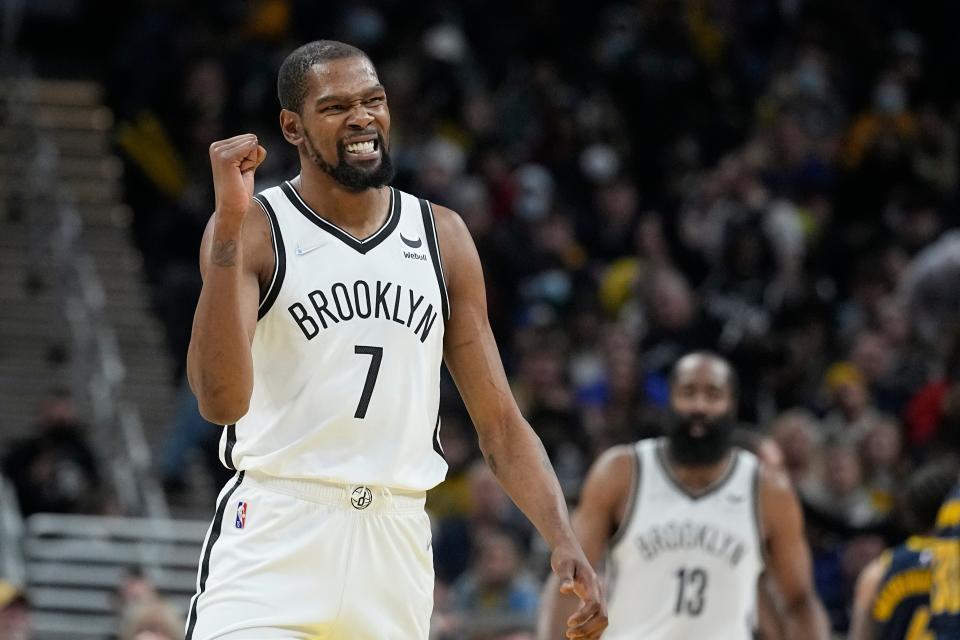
point(777, 181)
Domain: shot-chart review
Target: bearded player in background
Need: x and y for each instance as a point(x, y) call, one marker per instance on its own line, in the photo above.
point(687, 525)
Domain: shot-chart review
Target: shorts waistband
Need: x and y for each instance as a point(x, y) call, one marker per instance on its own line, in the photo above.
point(352, 496)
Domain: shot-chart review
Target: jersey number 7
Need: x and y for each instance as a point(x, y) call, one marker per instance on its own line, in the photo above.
point(376, 355)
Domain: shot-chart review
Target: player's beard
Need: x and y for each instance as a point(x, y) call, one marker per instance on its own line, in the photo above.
point(710, 448)
point(348, 176)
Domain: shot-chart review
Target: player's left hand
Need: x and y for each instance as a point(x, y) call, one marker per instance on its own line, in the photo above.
point(578, 577)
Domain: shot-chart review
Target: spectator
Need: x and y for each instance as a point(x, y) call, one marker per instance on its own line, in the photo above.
point(55, 470)
point(928, 290)
point(144, 615)
point(884, 463)
point(14, 613)
point(805, 196)
point(490, 510)
point(495, 596)
point(933, 412)
point(677, 323)
point(151, 620)
point(840, 492)
point(797, 433)
point(451, 499)
point(851, 412)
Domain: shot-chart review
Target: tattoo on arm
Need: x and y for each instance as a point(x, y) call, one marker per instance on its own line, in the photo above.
point(492, 463)
point(224, 253)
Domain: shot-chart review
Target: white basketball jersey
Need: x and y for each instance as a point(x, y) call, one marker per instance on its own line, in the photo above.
point(347, 351)
point(683, 566)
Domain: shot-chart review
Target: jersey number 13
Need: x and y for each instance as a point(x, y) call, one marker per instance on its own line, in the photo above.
point(691, 588)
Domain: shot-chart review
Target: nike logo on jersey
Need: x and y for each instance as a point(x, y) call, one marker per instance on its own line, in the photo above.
point(302, 251)
point(413, 244)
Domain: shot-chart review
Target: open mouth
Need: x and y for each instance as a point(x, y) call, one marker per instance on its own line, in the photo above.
point(365, 148)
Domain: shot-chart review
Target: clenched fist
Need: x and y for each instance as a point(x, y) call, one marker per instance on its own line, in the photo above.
point(234, 162)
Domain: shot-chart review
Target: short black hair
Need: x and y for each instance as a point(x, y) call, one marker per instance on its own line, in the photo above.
point(292, 78)
point(924, 492)
point(732, 378)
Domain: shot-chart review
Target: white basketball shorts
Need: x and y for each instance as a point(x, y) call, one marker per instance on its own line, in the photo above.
point(302, 560)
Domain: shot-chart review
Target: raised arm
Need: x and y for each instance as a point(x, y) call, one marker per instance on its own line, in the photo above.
point(511, 448)
point(235, 255)
point(789, 558)
point(603, 501)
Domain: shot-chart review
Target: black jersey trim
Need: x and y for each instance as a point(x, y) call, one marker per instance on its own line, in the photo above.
point(228, 446)
point(280, 263)
point(215, 530)
point(361, 246)
point(711, 488)
point(436, 438)
point(430, 227)
point(632, 499)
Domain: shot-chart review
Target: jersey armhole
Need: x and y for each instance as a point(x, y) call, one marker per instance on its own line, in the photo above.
point(229, 441)
point(280, 258)
point(632, 499)
point(433, 244)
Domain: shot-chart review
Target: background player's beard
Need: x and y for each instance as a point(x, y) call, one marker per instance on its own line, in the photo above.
point(348, 176)
point(708, 449)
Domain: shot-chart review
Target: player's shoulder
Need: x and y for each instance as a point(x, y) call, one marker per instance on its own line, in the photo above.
point(773, 479)
point(616, 463)
point(618, 455)
point(948, 517)
point(779, 506)
point(254, 220)
point(457, 249)
point(912, 553)
point(611, 476)
point(449, 223)
point(875, 572)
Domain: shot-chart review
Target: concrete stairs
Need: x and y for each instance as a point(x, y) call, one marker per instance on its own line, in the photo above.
point(34, 339)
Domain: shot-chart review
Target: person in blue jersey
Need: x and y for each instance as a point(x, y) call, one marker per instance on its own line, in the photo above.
point(892, 595)
point(945, 584)
point(329, 303)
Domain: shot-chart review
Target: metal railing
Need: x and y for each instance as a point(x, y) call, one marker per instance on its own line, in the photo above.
point(98, 374)
point(12, 565)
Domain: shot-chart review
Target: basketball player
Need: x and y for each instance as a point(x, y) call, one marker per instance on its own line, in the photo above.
point(892, 596)
point(945, 570)
point(689, 523)
point(328, 302)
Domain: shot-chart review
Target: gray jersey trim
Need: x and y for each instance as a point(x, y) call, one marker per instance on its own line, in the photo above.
point(716, 485)
point(632, 499)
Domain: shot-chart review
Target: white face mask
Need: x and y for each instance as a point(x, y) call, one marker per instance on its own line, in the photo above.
point(810, 79)
point(890, 98)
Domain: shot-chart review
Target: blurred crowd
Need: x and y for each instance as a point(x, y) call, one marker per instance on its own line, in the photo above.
point(774, 181)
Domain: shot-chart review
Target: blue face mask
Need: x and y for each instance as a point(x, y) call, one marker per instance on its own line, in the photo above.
point(810, 80)
point(890, 98)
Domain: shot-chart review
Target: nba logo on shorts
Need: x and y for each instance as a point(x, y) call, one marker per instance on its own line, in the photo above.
point(241, 515)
